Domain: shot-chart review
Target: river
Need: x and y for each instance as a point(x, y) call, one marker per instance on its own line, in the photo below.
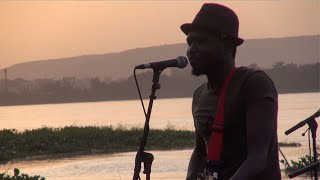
point(166, 112)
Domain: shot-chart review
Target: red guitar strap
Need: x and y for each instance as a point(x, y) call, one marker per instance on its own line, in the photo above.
point(215, 145)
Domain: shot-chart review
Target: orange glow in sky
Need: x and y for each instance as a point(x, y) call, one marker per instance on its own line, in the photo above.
point(40, 30)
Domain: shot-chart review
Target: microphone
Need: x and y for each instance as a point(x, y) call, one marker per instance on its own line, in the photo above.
point(302, 123)
point(180, 62)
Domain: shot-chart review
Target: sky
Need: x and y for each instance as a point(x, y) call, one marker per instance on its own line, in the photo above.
point(41, 30)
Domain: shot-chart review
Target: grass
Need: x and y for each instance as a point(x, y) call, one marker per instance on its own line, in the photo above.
point(86, 140)
point(289, 144)
point(47, 142)
point(297, 165)
point(18, 176)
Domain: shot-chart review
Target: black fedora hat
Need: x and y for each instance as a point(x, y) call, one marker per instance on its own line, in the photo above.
point(217, 19)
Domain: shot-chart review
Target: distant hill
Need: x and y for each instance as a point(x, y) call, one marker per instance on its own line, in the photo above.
point(263, 52)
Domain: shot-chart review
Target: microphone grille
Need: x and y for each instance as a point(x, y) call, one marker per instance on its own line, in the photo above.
point(182, 62)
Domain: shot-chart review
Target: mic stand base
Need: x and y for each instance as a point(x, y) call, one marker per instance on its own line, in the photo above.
point(147, 159)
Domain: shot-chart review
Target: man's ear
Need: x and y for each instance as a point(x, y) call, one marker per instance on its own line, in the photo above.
point(229, 48)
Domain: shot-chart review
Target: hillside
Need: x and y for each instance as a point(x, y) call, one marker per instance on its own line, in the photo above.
point(263, 52)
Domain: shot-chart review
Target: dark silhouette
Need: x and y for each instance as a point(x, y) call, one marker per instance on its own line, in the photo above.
point(5, 80)
point(288, 78)
point(235, 110)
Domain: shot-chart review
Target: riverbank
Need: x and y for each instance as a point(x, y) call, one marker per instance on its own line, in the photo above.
point(13, 100)
point(54, 143)
point(72, 140)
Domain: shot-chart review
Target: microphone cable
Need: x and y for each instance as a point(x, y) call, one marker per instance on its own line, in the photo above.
point(135, 78)
point(144, 110)
point(310, 155)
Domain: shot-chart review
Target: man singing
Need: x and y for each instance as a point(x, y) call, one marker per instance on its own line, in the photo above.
point(235, 111)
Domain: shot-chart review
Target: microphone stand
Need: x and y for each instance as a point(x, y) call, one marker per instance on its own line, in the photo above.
point(142, 156)
point(313, 125)
point(304, 170)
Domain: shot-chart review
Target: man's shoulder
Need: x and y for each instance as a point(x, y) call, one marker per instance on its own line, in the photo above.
point(197, 93)
point(258, 77)
point(200, 89)
point(251, 75)
point(247, 71)
point(259, 85)
point(253, 84)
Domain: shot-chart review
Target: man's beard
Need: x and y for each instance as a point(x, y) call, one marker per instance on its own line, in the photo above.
point(214, 65)
point(197, 72)
point(211, 68)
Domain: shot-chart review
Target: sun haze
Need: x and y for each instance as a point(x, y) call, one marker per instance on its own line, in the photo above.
point(40, 30)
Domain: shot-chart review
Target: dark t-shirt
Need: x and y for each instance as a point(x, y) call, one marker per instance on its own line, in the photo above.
point(247, 88)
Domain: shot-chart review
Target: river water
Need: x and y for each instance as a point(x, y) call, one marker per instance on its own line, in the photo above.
point(166, 112)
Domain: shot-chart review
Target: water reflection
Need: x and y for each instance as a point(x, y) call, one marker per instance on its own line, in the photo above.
point(169, 165)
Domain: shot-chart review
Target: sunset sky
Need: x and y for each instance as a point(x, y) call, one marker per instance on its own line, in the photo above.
point(40, 30)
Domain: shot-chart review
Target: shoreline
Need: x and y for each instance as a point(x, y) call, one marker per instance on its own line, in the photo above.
point(72, 141)
point(110, 100)
point(69, 141)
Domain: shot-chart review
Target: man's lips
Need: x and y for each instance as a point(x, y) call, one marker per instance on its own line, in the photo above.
point(194, 58)
point(193, 62)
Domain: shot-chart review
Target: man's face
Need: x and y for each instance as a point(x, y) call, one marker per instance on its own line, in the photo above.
point(205, 52)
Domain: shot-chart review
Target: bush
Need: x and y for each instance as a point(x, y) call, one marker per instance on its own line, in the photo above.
point(296, 165)
point(18, 176)
point(86, 140)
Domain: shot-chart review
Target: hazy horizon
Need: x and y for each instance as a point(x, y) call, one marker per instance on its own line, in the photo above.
point(40, 30)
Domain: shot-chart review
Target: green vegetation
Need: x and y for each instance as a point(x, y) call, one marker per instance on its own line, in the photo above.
point(85, 140)
point(289, 144)
point(296, 165)
point(72, 140)
point(18, 176)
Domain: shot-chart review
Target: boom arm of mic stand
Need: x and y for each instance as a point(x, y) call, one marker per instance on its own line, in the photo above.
point(142, 156)
point(302, 123)
point(297, 126)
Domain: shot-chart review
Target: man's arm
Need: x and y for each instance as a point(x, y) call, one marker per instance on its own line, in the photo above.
point(197, 160)
point(261, 125)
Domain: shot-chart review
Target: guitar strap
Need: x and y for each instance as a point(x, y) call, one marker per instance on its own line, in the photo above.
point(215, 145)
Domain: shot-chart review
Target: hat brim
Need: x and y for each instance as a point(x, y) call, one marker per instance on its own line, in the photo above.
point(188, 27)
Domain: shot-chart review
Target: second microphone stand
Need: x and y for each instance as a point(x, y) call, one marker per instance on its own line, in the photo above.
point(141, 156)
point(313, 125)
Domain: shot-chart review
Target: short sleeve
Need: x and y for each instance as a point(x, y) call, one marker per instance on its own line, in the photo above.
point(259, 87)
point(196, 97)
